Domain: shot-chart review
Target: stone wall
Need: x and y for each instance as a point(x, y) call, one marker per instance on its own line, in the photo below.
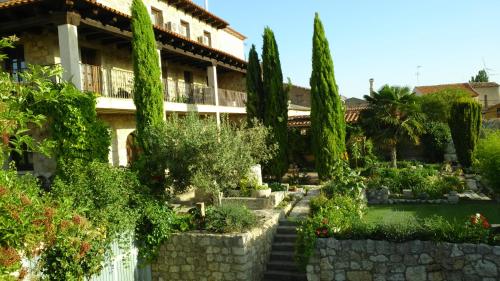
point(217, 257)
point(362, 260)
point(257, 203)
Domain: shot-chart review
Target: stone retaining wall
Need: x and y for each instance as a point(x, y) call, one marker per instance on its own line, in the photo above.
point(363, 260)
point(257, 203)
point(218, 257)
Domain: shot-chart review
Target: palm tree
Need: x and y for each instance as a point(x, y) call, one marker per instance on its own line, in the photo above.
point(392, 116)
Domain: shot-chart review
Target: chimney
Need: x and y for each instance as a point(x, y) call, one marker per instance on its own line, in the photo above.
point(371, 86)
point(206, 5)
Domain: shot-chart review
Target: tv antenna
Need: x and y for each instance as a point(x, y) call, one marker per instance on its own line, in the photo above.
point(418, 74)
point(489, 71)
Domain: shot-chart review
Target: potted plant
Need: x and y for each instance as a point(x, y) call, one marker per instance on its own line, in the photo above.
point(261, 191)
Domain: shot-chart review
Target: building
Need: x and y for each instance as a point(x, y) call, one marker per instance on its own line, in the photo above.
point(201, 56)
point(486, 93)
point(492, 112)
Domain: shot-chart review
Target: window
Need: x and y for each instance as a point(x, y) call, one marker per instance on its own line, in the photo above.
point(207, 38)
point(498, 112)
point(157, 17)
point(185, 29)
point(14, 63)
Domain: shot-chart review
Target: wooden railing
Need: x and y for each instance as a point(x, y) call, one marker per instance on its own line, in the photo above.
point(119, 83)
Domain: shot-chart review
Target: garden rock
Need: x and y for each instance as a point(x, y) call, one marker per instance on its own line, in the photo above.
point(471, 184)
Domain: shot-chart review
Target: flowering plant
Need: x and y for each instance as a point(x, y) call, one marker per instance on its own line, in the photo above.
point(323, 231)
point(480, 220)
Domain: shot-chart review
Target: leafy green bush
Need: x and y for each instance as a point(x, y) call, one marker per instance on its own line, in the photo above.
point(345, 181)
point(72, 246)
point(435, 140)
point(488, 158)
point(316, 203)
point(74, 127)
point(229, 218)
point(197, 153)
point(276, 186)
point(114, 199)
point(431, 229)
point(328, 218)
point(420, 180)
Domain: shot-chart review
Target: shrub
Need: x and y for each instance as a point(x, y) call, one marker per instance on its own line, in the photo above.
point(345, 181)
point(316, 203)
point(75, 129)
point(72, 245)
point(114, 199)
point(276, 186)
point(465, 124)
point(488, 156)
point(330, 217)
point(105, 193)
point(435, 140)
point(197, 153)
point(229, 218)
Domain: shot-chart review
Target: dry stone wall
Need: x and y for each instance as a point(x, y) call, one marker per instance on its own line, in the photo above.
point(363, 260)
point(217, 257)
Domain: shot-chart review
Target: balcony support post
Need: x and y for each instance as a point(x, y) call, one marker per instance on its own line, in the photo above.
point(70, 53)
point(212, 83)
point(161, 79)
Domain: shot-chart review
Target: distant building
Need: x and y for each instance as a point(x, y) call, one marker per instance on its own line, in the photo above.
point(486, 93)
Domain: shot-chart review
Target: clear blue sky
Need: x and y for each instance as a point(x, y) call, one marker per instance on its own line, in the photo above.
point(383, 39)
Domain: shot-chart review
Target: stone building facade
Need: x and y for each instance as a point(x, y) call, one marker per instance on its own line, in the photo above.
point(201, 56)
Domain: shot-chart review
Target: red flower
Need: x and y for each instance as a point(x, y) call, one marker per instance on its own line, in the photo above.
point(480, 219)
point(8, 256)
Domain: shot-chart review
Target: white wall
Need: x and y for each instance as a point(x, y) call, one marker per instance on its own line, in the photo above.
point(221, 39)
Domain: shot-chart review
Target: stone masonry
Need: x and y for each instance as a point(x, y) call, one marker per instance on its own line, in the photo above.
point(364, 260)
point(217, 257)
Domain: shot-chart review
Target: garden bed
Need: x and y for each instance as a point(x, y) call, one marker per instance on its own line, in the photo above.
point(402, 213)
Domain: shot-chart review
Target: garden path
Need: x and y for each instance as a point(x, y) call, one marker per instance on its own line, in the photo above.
point(282, 265)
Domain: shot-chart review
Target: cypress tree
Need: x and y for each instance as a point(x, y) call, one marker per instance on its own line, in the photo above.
point(254, 87)
point(465, 123)
point(327, 113)
point(148, 92)
point(275, 104)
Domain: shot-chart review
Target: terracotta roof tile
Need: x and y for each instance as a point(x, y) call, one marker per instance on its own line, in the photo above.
point(484, 84)
point(351, 116)
point(13, 3)
point(425, 90)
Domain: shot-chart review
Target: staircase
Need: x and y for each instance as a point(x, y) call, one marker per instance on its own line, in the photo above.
point(281, 265)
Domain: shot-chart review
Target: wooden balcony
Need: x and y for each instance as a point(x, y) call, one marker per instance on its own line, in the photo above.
point(118, 83)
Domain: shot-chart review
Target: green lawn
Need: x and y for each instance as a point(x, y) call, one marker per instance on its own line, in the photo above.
point(402, 213)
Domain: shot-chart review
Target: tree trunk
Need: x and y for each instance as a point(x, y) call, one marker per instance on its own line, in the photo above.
point(394, 156)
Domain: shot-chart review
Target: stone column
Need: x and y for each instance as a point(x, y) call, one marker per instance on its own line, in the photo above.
point(163, 85)
point(70, 53)
point(212, 83)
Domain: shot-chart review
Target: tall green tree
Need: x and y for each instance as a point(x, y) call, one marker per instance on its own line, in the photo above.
point(465, 124)
point(148, 92)
point(275, 104)
point(327, 112)
point(482, 76)
point(392, 116)
point(255, 97)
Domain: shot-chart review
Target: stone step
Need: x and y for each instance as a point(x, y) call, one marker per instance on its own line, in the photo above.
point(283, 247)
point(287, 223)
point(282, 256)
point(286, 230)
point(287, 266)
point(284, 276)
point(285, 238)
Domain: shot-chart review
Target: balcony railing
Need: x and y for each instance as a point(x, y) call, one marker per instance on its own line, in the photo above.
point(118, 83)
